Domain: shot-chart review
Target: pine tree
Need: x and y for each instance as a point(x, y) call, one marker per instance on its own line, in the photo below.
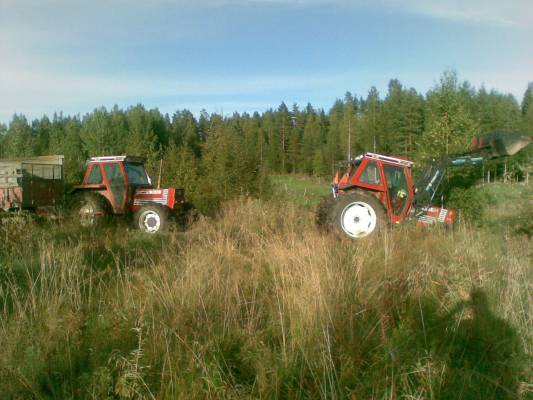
point(3, 133)
point(497, 111)
point(403, 120)
point(184, 131)
point(141, 139)
point(527, 110)
point(19, 141)
point(372, 123)
point(42, 135)
point(349, 128)
point(273, 153)
point(181, 169)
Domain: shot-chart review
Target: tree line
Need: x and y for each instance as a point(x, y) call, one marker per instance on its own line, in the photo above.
point(215, 157)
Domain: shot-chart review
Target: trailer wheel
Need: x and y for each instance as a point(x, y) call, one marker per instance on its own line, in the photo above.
point(89, 209)
point(354, 215)
point(151, 218)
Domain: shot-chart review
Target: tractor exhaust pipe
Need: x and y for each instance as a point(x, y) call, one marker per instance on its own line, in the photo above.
point(500, 143)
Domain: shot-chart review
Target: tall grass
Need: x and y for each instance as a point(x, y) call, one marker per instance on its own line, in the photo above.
point(257, 304)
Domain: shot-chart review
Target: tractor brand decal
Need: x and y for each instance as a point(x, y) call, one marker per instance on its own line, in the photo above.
point(436, 214)
point(151, 196)
point(151, 191)
point(426, 219)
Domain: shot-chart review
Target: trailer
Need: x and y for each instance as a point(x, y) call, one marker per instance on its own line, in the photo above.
point(33, 183)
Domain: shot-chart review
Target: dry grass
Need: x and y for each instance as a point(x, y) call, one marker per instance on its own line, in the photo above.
point(257, 304)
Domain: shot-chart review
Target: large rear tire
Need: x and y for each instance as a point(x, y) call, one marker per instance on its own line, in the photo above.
point(151, 219)
point(89, 209)
point(353, 215)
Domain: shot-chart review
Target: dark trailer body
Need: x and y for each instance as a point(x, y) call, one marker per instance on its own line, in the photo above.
point(33, 183)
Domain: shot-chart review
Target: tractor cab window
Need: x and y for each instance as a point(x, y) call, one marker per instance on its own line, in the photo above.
point(396, 187)
point(95, 176)
point(136, 174)
point(370, 174)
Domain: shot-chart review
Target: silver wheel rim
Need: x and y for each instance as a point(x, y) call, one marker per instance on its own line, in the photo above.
point(150, 221)
point(358, 219)
point(87, 215)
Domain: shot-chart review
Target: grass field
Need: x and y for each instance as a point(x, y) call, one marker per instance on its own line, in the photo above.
point(257, 304)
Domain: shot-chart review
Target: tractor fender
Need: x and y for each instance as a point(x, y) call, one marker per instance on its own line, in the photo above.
point(77, 190)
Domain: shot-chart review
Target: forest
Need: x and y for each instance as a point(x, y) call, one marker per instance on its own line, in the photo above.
point(216, 157)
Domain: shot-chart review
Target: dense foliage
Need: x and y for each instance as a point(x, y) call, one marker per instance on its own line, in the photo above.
point(216, 157)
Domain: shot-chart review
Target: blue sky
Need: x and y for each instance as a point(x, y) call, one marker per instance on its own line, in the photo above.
point(249, 55)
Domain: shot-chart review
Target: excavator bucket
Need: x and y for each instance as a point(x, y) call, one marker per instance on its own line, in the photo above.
point(500, 143)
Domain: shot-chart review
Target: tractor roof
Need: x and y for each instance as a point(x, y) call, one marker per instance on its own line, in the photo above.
point(123, 158)
point(389, 159)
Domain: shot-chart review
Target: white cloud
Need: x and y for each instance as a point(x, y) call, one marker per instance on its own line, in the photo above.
point(510, 13)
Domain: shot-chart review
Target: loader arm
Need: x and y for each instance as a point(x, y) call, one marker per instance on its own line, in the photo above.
point(491, 145)
point(427, 186)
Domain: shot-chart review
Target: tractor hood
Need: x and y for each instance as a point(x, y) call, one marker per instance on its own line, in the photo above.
point(500, 143)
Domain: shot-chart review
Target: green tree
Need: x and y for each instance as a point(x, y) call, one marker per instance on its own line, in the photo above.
point(403, 115)
point(497, 111)
point(3, 133)
point(141, 139)
point(64, 138)
point(449, 124)
point(19, 141)
point(181, 169)
point(184, 131)
point(372, 123)
point(104, 132)
point(527, 110)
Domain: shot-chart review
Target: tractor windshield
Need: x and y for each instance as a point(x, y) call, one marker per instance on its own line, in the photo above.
point(137, 174)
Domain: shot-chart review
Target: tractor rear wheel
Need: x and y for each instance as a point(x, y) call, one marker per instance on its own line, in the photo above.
point(89, 209)
point(151, 218)
point(355, 215)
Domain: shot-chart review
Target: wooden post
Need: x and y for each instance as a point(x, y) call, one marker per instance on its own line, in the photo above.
point(160, 171)
point(505, 172)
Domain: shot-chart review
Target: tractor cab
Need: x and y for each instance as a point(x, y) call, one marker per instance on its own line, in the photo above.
point(384, 177)
point(116, 178)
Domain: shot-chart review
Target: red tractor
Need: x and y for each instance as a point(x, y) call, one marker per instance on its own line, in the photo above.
point(117, 185)
point(376, 190)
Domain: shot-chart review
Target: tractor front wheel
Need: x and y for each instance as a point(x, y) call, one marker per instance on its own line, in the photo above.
point(151, 219)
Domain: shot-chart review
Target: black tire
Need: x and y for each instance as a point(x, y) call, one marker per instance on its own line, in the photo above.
point(89, 209)
point(151, 218)
point(353, 215)
point(323, 213)
point(186, 215)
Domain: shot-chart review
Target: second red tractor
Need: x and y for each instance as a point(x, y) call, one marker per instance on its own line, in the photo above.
point(377, 190)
